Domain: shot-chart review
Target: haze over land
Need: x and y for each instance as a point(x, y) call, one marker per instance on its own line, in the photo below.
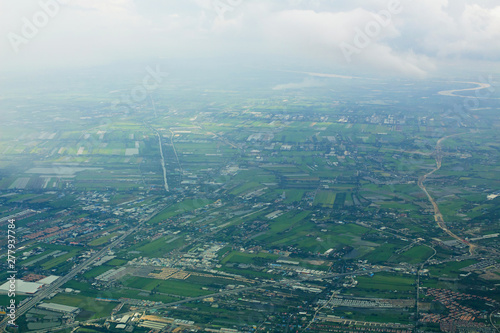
point(249, 166)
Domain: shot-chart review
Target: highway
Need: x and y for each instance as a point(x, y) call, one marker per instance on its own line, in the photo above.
point(161, 146)
point(165, 182)
point(417, 295)
point(438, 217)
point(162, 161)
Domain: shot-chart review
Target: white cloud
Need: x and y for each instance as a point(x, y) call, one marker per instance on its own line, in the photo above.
point(423, 37)
point(320, 36)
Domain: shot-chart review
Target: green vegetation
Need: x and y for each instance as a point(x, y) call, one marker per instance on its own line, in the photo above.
point(382, 254)
point(96, 271)
point(102, 240)
point(385, 285)
point(173, 287)
point(377, 316)
point(325, 199)
point(247, 258)
point(180, 208)
point(116, 262)
point(160, 246)
point(450, 269)
point(338, 169)
point(59, 260)
point(92, 308)
point(416, 254)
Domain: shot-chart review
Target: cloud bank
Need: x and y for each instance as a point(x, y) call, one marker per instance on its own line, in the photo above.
point(356, 36)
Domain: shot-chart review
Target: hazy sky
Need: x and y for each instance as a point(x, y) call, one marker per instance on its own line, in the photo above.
point(420, 38)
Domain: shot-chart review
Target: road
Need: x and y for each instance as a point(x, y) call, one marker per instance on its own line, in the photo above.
point(491, 320)
point(165, 182)
point(438, 217)
point(162, 161)
point(175, 150)
point(335, 293)
point(417, 296)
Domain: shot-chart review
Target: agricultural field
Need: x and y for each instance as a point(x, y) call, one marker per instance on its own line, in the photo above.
point(256, 206)
point(386, 285)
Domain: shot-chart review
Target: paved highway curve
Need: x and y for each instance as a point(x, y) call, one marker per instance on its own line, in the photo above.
point(438, 217)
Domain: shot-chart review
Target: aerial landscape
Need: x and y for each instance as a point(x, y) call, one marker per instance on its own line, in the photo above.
point(231, 191)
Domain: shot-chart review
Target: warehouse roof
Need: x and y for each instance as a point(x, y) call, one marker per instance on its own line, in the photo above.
point(58, 307)
point(22, 287)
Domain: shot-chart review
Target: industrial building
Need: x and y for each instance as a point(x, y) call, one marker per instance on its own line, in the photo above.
point(58, 308)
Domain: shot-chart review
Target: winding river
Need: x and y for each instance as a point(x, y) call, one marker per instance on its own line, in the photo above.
point(452, 92)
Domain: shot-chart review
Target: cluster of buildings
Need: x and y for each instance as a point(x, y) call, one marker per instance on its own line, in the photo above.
point(67, 231)
point(18, 216)
point(463, 326)
point(204, 258)
point(482, 265)
point(457, 312)
point(50, 315)
point(359, 303)
point(52, 232)
point(337, 324)
point(59, 308)
point(100, 202)
point(291, 268)
point(341, 329)
point(28, 286)
point(152, 322)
